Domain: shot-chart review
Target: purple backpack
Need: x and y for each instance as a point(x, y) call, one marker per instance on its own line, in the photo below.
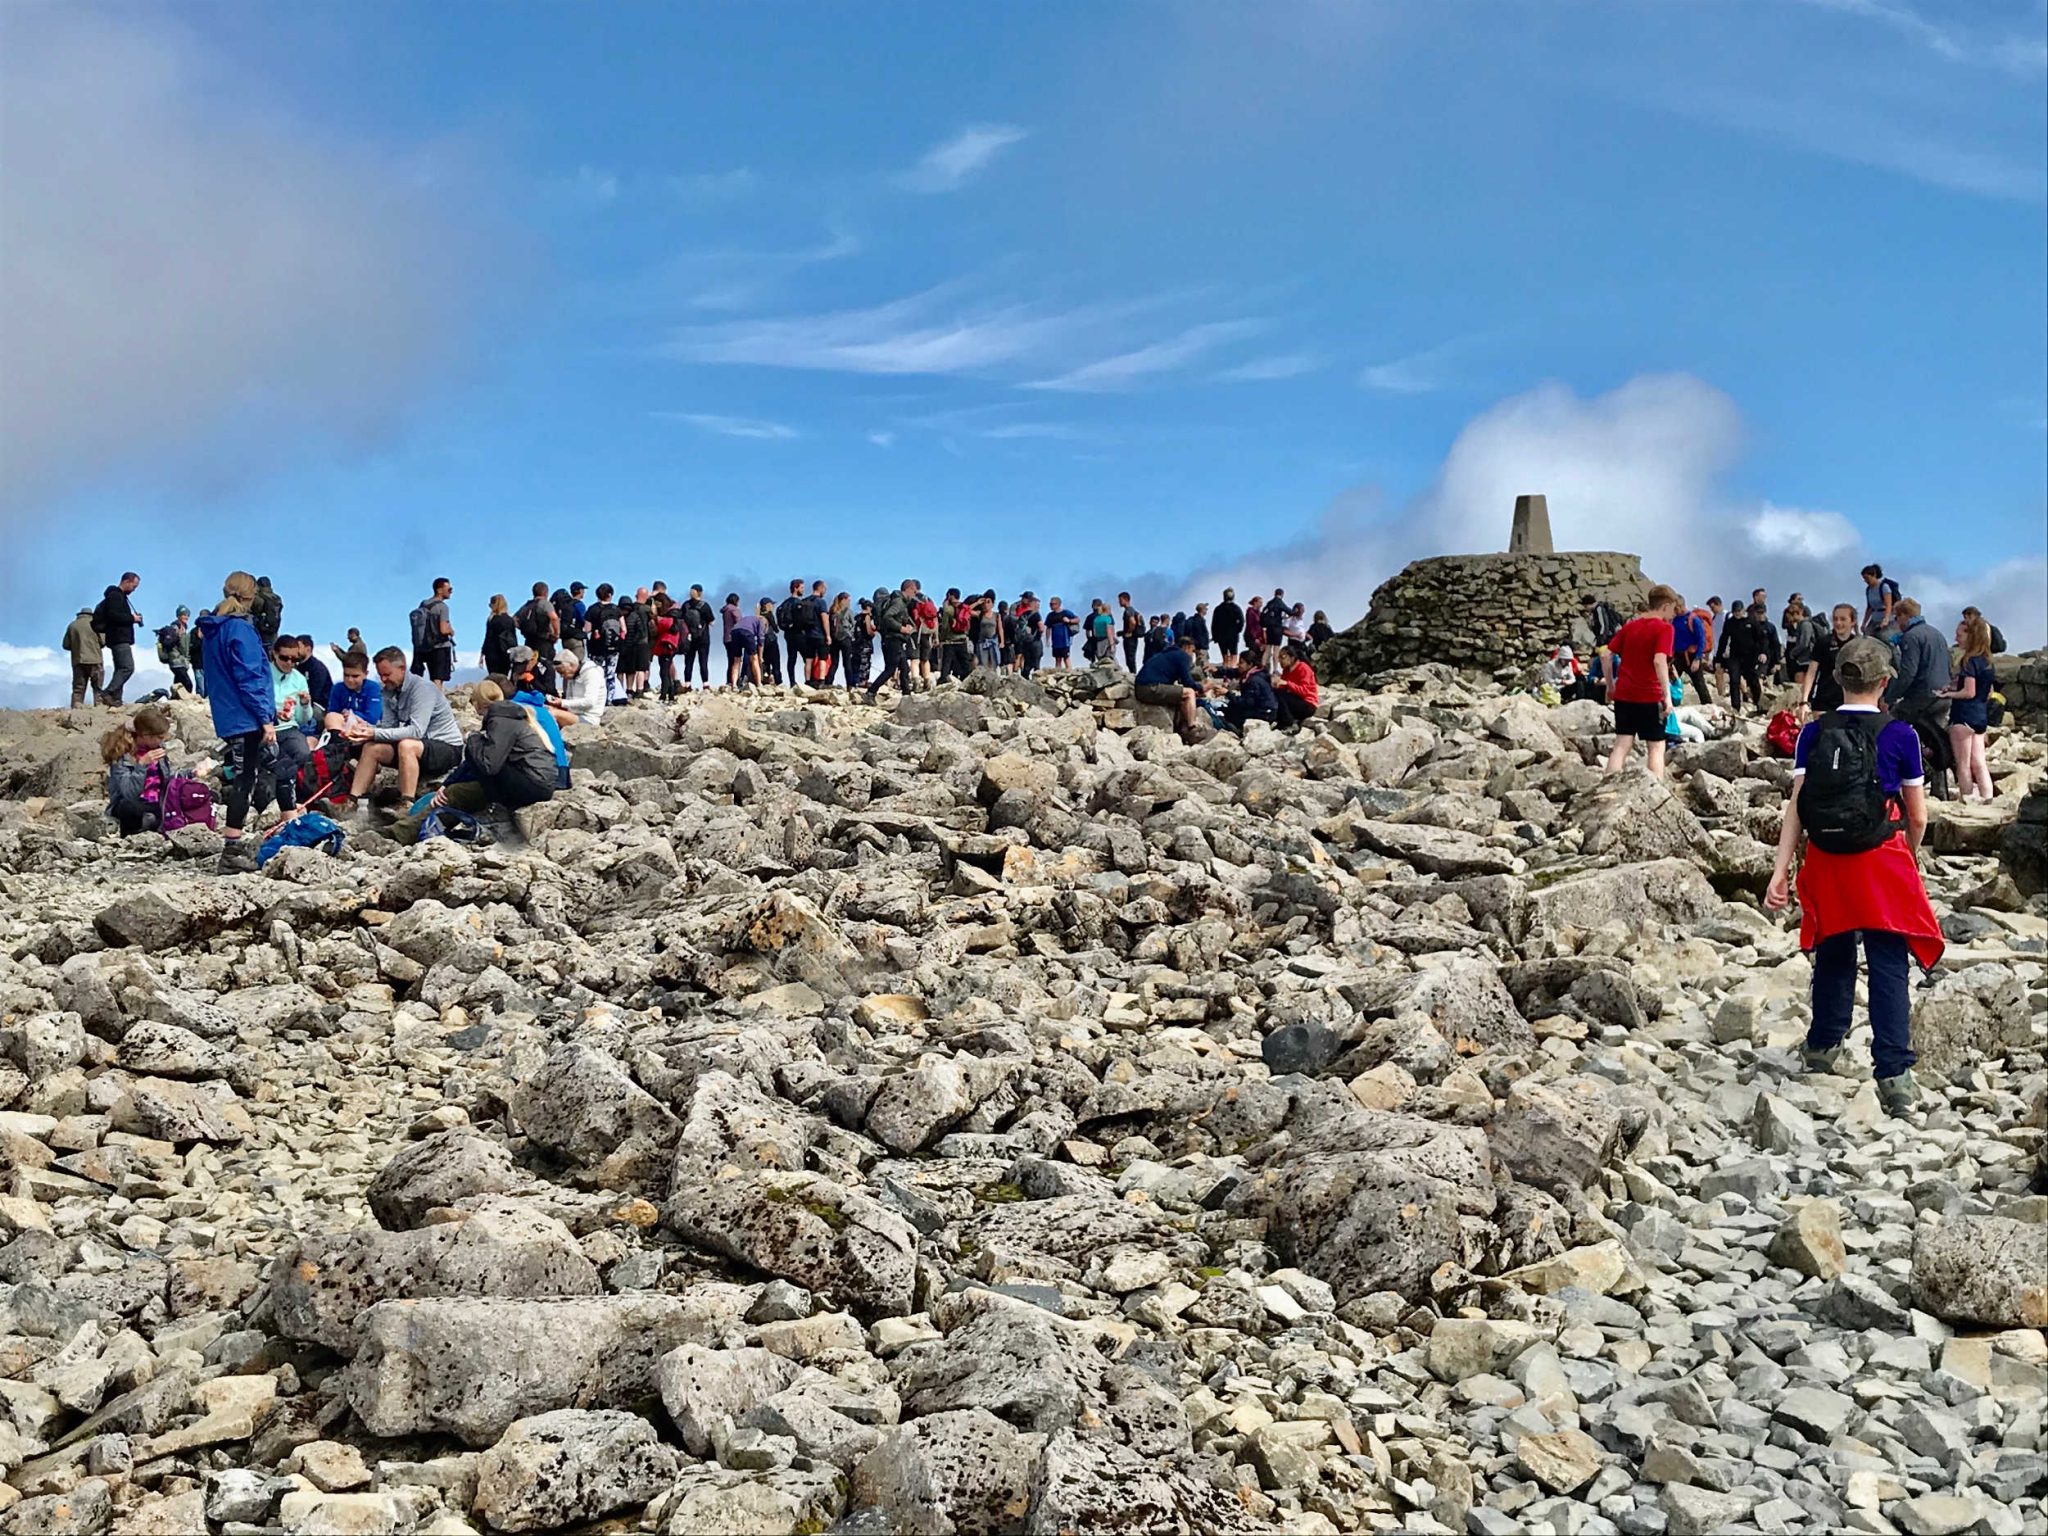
point(186, 802)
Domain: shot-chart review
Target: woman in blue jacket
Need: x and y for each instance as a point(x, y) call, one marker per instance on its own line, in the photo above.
point(244, 707)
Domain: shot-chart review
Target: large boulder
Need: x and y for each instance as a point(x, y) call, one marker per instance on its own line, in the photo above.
point(1635, 818)
point(473, 1366)
point(583, 1106)
point(436, 1172)
point(805, 1228)
point(960, 1473)
point(1979, 1012)
point(1558, 1135)
point(1983, 1269)
point(570, 1467)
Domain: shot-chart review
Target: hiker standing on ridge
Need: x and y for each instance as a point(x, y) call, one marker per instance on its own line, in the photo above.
point(244, 707)
point(433, 635)
point(116, 620)
point(699, 618)
point(1228, 625)
point(88, 656)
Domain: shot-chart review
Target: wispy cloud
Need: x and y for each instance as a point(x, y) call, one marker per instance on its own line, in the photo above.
point(1057, 431)
point(2017, 50)
point(882, 439)
point(1419, 373)
point(951, 165)
point(1282, 365)
point(922, 334)
point(1175, 352)
point(732, 426)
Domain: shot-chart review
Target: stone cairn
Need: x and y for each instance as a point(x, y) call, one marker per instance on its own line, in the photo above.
point(1484, 612)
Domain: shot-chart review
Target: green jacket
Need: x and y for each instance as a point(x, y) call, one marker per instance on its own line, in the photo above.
point(83, 641)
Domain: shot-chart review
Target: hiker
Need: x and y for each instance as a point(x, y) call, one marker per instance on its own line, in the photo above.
point(729, 616)
point(1255, 630)
point(1295, 687)
point(418, 736)
point(750, 635)
point(353, 644)
point(1130, 628)
point(1748, 648)
point(355, 697)
point(1228, 625)
point(525, 691)
point(294, 713)
point(266, 612)
point(1997, 634)
point(770, 653)
point(1197, 629)
point(507, 761)
point(893, 622)
point(670, 638)
point(817, 638)
point(116, 620)
point(792, 621)
point(838, 638)
point(1560, 674)
point(1273, 621)
point(88, 658)
point(319, 681)
point(1643, 648)
point(1918, 694)
point(1802, 634)
point(604, 636)
point(1880, 603)
point(956, 636)
point(1690, 640)
point(569, 611)
point(1969, 711)
point(1059, 630)
point(1320, 633)
point(860, 645)
point(1254, 698)
point(583, 691)
point(501, 633)
point(988, 636)
point(174, 648)
point(1158, 638)
point(1027, 631)
point(539, 625)
point(433, 635)
point(1168, 681)
point(134, 755)
point(1819, 692)
point(698, 616)
point(1859, 805)
point(244, 709)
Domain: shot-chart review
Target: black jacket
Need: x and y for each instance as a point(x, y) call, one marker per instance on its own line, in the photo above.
point(1745, 640)
point(115, 618)
point(1196, 628)
point(511, 756)
point(1228, 623)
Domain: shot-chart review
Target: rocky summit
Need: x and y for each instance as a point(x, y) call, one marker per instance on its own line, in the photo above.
point(989, 1114)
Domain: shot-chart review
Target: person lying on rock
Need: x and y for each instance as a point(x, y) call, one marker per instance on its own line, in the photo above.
point(1859, 801)
point(508, 761)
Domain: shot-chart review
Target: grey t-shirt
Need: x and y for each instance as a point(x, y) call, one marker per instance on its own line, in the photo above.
point(437, 615)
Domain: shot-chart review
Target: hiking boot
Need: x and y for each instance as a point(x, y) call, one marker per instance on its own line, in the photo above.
point(1898, 1094)
point(238, 857)
point(1834, 1061)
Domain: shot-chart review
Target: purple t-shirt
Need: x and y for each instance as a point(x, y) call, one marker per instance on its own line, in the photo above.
point(1898, 752)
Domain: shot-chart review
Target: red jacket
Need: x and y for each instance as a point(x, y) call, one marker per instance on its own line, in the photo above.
point(668, 635)
point(1299, 680)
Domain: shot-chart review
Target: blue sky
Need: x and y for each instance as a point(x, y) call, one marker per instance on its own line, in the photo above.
point(1063, 296)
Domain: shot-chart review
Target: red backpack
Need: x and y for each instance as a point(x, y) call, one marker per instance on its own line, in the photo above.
point(1782, 734)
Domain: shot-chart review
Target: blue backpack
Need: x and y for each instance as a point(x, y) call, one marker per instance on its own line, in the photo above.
point(458, 826)
point(309, 829)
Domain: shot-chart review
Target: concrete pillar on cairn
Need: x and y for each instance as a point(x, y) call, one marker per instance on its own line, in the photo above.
point(1531, 532)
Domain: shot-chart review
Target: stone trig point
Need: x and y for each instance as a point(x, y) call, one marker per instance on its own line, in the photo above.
point(1485, 612)
point(1530, 534)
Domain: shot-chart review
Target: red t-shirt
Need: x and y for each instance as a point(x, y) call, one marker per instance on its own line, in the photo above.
point(1638, 643)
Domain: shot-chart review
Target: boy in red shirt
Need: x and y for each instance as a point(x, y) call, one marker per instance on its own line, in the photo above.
point(1641, 693)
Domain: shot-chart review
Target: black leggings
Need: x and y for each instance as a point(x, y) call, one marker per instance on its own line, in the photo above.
point(1745, 674)
point(246, 769)
point(699, 656)
point(895, 663)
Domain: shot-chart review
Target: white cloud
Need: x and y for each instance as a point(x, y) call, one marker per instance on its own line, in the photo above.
point(1641, 469)
point(1419, 373)
point(882, 439)
point(1808, 535)
point(1284, 365)
point(2020, 52)
point(189, 273)
point(1057, 431)
point(951, 165)
point(39, 676)
point(732, 426)
point(1175, 352)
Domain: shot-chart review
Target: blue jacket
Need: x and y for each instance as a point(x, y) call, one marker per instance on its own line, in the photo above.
point(237, 675)
point(1688, 634)
point(1174, 666)
point(539, 705)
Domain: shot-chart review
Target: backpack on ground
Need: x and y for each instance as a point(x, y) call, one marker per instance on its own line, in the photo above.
point(1782, 734)
point(1841, 804)
point(455, 824)
point(322, 776)
point(1994, 709)
point(308, 829)
point(186, 803)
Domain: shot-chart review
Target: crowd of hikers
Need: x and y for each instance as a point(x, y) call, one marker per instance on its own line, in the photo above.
point(297, 733)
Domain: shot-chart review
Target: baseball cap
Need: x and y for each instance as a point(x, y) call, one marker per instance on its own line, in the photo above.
point(1864, 663)
point(520, 656)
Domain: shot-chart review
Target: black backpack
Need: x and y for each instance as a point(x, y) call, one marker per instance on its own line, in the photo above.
point(536, 622)
point(1841, 805)
point(1606, 623)
point(635, 620)
point(266, 612)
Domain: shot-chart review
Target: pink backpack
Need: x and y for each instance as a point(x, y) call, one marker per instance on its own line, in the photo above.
point(186, 802)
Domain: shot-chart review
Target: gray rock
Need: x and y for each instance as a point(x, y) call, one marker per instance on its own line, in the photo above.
point(1094, 1484)
point(439, 1171)
point(707, 1391)
point(807, 1229)
point(1983, 1269)
point(569, 1467)
point(1558, 1135)
point(582, 1105)
point(1017, 1362)
point(1815, 1413)
point(960, 1473)
point(471, 1367)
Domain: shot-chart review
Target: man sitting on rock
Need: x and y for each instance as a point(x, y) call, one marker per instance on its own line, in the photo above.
point(1859, 800)
point(509, 761)
point(1168, 681)
point(582, 684)
point(419, 736)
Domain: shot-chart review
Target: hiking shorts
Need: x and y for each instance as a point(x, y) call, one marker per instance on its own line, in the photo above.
point(437, 758)
point(439, 664)
point(1632, 719)
point(1161, 695)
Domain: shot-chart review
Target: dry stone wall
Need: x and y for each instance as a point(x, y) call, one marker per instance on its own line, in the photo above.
point(1480, 611)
